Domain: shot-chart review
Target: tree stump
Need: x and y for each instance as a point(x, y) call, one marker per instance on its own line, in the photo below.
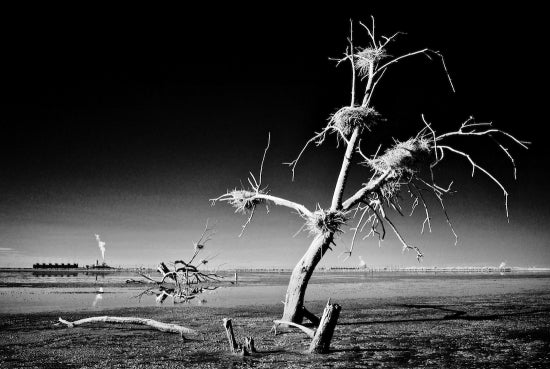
point(230, 335)
point(238, 349)
point(321, 341)
point(249, 345)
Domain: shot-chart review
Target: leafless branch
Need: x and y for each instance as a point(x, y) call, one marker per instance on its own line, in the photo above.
point(427, 212)
point(406, 246)
point(371, 186)
point(318, 139)
point(474, 166)
point(263, 158)
point(468, 128)
point(353, 73)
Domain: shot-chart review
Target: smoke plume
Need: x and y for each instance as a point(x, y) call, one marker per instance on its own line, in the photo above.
point(101, 246)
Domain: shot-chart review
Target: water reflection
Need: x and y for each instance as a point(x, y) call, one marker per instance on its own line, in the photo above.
point(177, 295)
point(54, 273)
point(97, 299)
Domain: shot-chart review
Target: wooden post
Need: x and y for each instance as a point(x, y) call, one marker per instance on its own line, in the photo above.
point(236, 277)
point(230, 335)
point(321, 341)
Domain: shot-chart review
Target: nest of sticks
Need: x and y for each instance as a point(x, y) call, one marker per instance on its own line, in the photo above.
point(244, 201)
point(348, 118)
point(404, 160)
point(325, 221)
point(404, 157)
point(366, 57)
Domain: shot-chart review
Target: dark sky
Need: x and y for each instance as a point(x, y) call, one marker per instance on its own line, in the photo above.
point(125, 122)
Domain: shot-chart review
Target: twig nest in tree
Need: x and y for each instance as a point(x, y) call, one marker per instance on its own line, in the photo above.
point(347, 118)
point(244, 201)
point(366, 57)
point(325, 221)
point(404, 156)
point(404, 160)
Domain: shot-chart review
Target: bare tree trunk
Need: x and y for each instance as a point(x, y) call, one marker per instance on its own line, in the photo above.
point(301, 274)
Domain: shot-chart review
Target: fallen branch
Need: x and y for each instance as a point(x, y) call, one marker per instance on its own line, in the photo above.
point(310, 316)
point(163, 327)
point(308, 331)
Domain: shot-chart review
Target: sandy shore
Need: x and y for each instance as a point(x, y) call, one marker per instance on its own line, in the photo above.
point(499, 331)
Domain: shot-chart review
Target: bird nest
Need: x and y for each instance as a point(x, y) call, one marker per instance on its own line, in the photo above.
point(366, 57)
point(404, 156)
point(325, 221)
point(403, 161)
point(244, 201)
point(348, 118)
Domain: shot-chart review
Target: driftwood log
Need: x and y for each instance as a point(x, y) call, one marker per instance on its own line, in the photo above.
point(321, 341)
point(163, 327)
point(308, 331)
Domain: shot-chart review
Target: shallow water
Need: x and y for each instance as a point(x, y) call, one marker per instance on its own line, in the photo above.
point(23, 292)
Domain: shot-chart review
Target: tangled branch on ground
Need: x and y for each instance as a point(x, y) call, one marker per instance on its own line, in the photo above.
point(185, 280)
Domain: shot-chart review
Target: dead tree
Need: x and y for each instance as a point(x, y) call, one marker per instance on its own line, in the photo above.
point(403, 170)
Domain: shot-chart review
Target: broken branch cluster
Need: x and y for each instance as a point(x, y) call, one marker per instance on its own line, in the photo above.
point(184, 281)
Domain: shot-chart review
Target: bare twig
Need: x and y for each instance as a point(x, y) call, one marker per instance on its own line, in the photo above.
point(474, 166)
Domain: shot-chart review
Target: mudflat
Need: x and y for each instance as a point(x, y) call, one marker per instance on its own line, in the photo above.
point(509, 330)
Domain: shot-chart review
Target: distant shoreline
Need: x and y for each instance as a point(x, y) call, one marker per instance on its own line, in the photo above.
point(457, 269)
